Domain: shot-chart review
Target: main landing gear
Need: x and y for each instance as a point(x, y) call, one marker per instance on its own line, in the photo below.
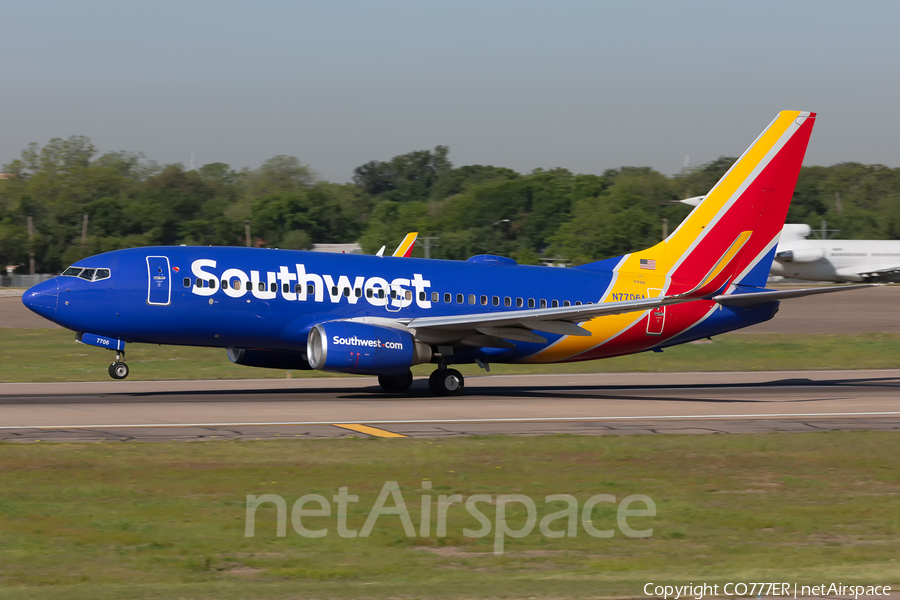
point(446, 382)
point(118, 369)
point(443, 382)
point(396, 384)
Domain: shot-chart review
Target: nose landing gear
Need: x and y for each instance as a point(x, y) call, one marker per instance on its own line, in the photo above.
point(118, 369)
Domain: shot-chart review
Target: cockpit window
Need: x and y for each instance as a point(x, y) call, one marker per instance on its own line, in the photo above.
point(87, 274)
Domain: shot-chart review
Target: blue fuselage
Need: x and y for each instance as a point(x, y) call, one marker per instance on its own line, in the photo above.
point(269, 298)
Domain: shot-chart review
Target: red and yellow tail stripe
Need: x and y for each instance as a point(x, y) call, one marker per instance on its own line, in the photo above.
point(717, 245)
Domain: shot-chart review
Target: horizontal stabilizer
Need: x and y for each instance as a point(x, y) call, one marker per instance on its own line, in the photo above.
point(756, 298)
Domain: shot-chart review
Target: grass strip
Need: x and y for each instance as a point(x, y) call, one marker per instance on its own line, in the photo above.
point(166, 520)
point(47, 355)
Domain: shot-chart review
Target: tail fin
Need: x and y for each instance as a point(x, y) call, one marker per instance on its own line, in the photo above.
point(730, 237)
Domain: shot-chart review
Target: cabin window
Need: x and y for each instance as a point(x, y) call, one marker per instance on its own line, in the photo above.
point(87, 274)
point(484, 300)
point(459, 298)
point(357, 292)
point(578, 303)
point(285, 288)
point(370, 292)
point(273, 287)
point(531, 303)
point(408, 295)
point(422, 296)
point(224, 284)
point(261, 286)
point(566, 303)
point(381, 293)
point(198, 282)
point(471, 298)
point(519, 303)
point(347, 292)
point(310, 289)
point(589, 303)
point(507, 301)
point(187, 282)
point(495, 300)
point(102, 274)
point(212, 284)
point(543, 303)
point(448, 297)
point(435, 297)
point(334, 290)
point(297, 288)
point(393, 294)
point(554, 304)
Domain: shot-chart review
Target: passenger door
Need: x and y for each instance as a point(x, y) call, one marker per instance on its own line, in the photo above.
point(159, 281)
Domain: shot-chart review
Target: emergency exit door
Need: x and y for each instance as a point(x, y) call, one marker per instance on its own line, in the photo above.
point(159, 281)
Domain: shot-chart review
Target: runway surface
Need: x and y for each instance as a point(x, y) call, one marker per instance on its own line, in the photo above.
point(593, 404)
point(857, 311)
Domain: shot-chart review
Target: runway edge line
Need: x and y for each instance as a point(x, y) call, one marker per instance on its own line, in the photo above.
point(504, 420)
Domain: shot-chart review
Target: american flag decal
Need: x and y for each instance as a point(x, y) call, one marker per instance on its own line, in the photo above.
point(648, 264)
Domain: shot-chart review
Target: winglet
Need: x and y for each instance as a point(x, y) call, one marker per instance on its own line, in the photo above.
point(406, 246)
point(381, 252)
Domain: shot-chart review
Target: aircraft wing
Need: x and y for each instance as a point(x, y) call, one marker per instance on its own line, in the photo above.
point(519, 325)
point(492, 329)
point(755, 298)
point(880, 272)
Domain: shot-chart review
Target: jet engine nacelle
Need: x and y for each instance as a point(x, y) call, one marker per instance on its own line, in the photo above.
point(268, 359)
point(354, 347)
point(800, 255)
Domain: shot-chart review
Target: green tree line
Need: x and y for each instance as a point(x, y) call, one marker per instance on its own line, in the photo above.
point(553, 213)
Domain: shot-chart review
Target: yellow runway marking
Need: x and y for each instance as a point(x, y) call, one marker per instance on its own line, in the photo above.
point(369, 430)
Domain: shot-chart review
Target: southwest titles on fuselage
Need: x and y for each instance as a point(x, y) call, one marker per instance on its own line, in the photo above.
point(292, 285)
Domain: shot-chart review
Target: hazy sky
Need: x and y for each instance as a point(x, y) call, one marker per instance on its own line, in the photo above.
point(582, 85)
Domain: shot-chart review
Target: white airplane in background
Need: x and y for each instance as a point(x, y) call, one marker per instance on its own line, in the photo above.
point(796, 257)
point(835, 260)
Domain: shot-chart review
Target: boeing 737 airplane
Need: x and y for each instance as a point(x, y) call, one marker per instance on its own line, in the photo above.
point(381, 315)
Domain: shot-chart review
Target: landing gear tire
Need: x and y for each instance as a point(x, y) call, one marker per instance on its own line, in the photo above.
point(446, 382)
point(118, 370)
point(396, 384)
